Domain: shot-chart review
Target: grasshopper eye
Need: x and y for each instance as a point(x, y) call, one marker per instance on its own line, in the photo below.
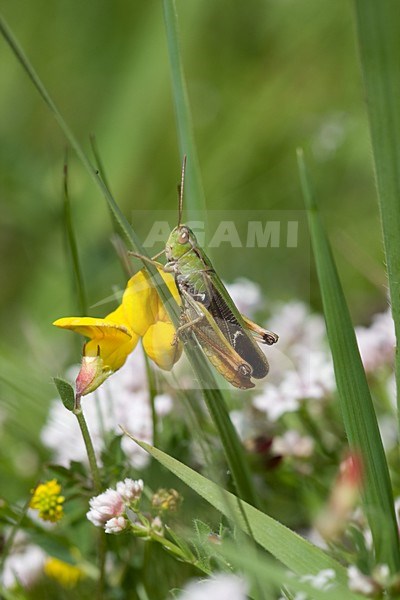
point(183, 236)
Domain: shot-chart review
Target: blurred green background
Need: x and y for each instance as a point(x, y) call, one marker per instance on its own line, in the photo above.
point(263, 78)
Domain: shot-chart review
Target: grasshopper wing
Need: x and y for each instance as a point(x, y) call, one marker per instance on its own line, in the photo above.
point(231, 324)
point(215, 346)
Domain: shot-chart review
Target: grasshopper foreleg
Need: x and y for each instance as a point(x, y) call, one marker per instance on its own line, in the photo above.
point(151, 261)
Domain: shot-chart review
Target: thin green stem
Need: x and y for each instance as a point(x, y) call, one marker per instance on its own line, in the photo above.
point(94, 469)
point(151, 381)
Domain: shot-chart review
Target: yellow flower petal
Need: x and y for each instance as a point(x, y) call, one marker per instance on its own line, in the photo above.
point(142, 304)
point(94, 328)
point(112, 341)
point(158, 343)
point(139, 303)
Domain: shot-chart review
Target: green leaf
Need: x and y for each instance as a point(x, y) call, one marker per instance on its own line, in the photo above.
point(266, 572)
point(66, 392)
point(292, 550)
point(354, 395)
point(378, 27)
point(193, 186)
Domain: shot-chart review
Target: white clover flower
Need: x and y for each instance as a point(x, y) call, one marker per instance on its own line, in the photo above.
point(116, 525)
point(358, 582)
point(275, 402)
point(24, 564)
point(299, 330)
point(130, 490)
point(223, 586)
point(313, 379)
point(291, 443)
point(324, 580)
point(104, 507)
point(122, 399)
point(246, 295)
point(377, 342)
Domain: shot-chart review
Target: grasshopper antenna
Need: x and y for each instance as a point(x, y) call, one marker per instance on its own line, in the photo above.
point(180, 190)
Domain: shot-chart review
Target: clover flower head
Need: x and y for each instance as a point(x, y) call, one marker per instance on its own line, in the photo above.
point(104, 507)
point(166, 500)
point(130, 490)
point(116, 525)
point(48, 501)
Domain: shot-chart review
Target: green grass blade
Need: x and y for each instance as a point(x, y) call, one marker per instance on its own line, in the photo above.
point(274, 577)
point(215, 401)
point(295, 552)
point(72, 244)
point(378, 26)
point(354, 395)
point(194, 192)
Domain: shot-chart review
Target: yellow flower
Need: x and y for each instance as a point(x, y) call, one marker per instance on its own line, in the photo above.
point(67, 575)
point(48, 501)
point(140, 315)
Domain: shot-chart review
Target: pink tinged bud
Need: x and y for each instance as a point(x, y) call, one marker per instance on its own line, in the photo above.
point(351, 471)
point(116, 525)
point(157, 526)
point(91, 375)
point(130, 490)
point(348, 485)
point(104, 507)
point(344, 497)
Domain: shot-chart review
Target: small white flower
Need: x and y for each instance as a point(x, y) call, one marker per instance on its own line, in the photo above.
point(323, 580)
point(130, 490)
point(115, 525)
point(24, 564)
point(300, 331)
point(107, 505)
point(377, 342)
point(246, 295)
point(223, 586)
point(381, 575)
point(358, 582)
point(313, 379)
point(291, 443)
point(275, 403)
point(163, 404)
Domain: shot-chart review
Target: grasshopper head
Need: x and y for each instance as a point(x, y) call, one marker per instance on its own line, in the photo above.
point(181, 239)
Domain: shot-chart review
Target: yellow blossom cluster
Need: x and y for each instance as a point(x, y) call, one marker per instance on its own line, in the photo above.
point(48, 501)
point(141, 314)
point(67, 575)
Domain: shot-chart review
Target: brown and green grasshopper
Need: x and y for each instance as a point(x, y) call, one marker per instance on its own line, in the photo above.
point(227, 337)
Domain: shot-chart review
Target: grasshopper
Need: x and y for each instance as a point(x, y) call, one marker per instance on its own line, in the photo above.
point(227, 337)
